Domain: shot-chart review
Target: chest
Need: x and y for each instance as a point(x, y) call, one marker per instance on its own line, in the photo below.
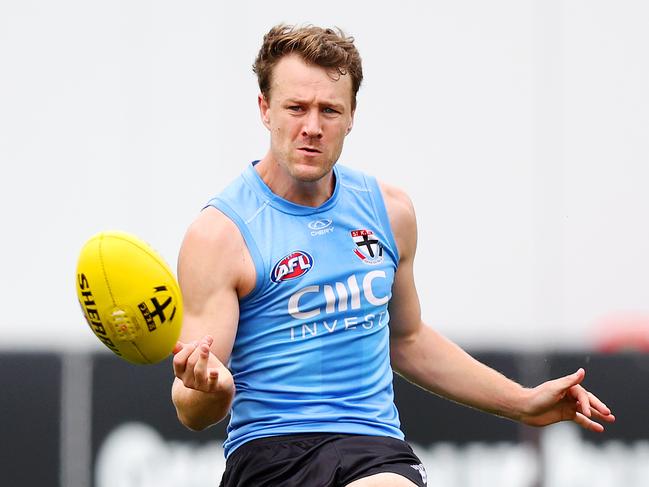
point(325, 265)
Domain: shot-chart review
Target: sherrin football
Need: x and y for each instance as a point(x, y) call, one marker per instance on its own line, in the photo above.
point(129, 297)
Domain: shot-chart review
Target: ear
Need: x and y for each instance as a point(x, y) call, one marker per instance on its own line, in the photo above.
point(351, 124)
point(264, 110)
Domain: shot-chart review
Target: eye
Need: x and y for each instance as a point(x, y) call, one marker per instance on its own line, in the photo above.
point(295, 108)
point(329, 110)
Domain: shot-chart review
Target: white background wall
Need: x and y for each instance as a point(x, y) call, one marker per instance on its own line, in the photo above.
point(520, 128)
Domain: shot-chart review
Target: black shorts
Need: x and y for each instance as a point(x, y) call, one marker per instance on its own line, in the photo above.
point(319, 460)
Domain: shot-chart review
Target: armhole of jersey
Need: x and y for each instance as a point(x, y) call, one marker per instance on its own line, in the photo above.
point(382, 213)
point(227, 210)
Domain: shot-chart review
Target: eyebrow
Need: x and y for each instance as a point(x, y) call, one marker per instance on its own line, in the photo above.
point(325, 103)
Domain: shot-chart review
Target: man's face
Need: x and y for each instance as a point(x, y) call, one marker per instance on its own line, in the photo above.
point(309, 113)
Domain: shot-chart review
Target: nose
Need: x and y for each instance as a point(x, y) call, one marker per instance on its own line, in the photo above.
point(312, 125)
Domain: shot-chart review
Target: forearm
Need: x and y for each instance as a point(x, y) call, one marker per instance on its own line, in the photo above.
point(198, 410)
point(435, 363)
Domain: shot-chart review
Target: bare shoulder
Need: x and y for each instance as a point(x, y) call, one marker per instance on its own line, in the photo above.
point(214, 252)
point(211, 227)
point(401, 213)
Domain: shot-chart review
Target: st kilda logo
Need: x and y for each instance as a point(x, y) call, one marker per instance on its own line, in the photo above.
point(155, 308)
point(291, 266)
point(368, 248)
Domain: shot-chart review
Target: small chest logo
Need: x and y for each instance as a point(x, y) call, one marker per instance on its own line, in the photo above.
point(291, 266)
point(321, 227)
point(320, 224)
point(368, 248)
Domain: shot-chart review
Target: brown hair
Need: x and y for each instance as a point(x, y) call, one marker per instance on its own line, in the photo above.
point(328, 48)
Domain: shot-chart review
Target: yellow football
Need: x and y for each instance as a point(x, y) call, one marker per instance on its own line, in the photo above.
point(129, 297)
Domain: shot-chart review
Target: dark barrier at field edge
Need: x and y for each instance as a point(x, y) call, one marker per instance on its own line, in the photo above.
point(30, 406)
point(30, 413)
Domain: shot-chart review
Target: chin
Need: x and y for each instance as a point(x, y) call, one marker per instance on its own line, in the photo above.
point(310, 173)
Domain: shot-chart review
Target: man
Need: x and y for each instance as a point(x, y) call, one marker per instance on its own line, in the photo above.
point(299, 276)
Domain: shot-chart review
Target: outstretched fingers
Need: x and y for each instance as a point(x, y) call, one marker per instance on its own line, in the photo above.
point(565, 399)
point(590, 404)
point(583, 399)
point(200, 368)
point(205, 377)
point(212, 379)
point(587, 423)
point(590, 412)
point(182, 352)
point(598, 405)
point(191, 361)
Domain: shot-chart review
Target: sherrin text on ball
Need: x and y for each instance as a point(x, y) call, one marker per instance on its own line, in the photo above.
point(129, 297)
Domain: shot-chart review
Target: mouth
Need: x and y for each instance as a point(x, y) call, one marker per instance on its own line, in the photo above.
point(309, 150)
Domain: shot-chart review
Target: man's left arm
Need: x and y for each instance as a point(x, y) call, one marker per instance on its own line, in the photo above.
point(428, 359)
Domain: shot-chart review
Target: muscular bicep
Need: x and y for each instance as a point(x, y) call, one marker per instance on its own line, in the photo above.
point(214, 270)
point(404, 307)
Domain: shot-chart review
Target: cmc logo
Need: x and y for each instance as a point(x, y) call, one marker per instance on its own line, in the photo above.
point(341, 296)
point(292, 266)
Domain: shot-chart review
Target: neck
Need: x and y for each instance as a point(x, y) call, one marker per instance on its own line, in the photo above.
point(293, 189)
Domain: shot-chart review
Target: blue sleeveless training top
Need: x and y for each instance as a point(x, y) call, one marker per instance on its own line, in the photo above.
point(311, 352)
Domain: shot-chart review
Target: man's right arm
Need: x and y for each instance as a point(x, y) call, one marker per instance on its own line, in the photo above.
point(214, 271)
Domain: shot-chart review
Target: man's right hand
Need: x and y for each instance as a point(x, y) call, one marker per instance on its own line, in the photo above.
point(203, 386)
point(199, 369)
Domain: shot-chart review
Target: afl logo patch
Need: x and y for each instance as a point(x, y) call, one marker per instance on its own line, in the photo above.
point(291, 266)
